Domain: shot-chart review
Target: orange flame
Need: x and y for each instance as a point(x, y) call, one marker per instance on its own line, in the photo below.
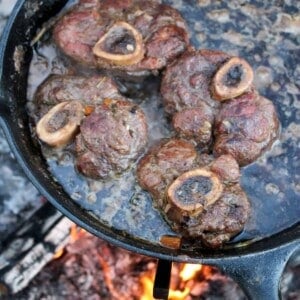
point(179, 295)
point(58, 253)
point(187, 273)
point(147, 282)
point(75, 233)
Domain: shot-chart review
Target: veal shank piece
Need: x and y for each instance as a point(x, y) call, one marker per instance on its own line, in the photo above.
point(187, 81)
point(132, 36)
point(210, 98)
point(199, 196)
point(187, 97)
point(87, 90)
point(112, 137)
point(245, 127)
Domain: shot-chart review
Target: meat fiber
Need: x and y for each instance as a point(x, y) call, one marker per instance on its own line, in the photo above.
point(111, 139)
point(186, 82)
point(245, 127)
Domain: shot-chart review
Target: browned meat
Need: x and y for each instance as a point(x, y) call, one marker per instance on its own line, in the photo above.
point(221, 221)
point(137, 37)
point(87, 90)
point(162, 164)
point(187, 98)
point(195, 124)
point(245, 127)
point(208, 92)
point(114, 132)
point(186, 82)
point(199, 196)
point(111, 138)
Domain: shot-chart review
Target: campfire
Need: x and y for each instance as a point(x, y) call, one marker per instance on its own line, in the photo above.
point(184, 277)
point(60, 260)
point(91, 268)
point(188, 281)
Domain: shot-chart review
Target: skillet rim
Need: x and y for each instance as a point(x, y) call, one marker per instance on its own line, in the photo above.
point(73, 211)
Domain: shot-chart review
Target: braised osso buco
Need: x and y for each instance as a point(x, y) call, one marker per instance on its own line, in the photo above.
point(217, 122)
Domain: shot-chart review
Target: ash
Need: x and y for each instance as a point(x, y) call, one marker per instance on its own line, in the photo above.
point(18, 197)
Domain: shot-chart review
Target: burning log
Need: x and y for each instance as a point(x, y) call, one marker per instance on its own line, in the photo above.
point(31, 247)
point(90, 268)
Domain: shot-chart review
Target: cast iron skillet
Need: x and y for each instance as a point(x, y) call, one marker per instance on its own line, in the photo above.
point(256, 267)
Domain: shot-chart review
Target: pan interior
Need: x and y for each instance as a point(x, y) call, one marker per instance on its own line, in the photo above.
point(271, 183)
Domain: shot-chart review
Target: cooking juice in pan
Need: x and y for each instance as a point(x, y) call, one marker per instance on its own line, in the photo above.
point(271, 183)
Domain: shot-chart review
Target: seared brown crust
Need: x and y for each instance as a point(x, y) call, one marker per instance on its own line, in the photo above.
point(187, 97)
point(163, 29)
point(111, 139)
point(245, 127)
point(227, 168)
point(87, 90)
point(186, 82)
point(220, 220)
point(195, 124)
point(163, 163)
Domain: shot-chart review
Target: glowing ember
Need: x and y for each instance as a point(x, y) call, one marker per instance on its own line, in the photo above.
point(76, 233)
point(59, 253)
point(189, 271)
point(147, 282)
point(179, 295)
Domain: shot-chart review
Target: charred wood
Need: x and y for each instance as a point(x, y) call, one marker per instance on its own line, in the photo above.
point(25, 252)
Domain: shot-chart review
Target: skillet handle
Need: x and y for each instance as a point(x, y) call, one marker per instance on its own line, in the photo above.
point(162, 279)
point(259, 275)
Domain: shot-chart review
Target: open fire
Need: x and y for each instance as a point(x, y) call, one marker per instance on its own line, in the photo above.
point(188, 281)
point(90, 268)
point(183, 279)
